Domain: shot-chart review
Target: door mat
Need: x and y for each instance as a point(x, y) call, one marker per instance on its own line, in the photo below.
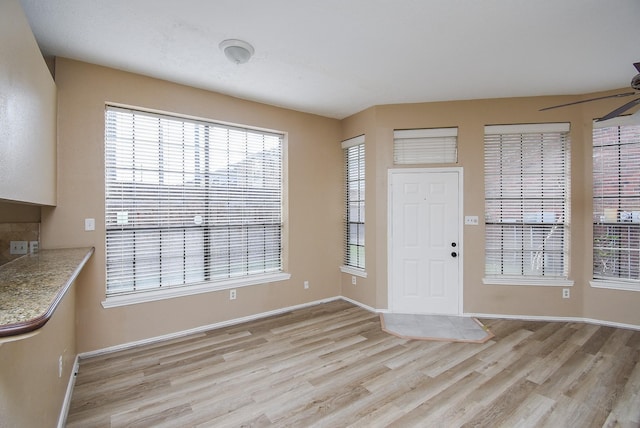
point(435, 327)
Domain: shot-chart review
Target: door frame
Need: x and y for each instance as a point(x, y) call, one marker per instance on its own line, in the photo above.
point(390, 175)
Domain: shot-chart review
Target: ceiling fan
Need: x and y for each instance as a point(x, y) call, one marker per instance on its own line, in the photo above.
point(635, 84)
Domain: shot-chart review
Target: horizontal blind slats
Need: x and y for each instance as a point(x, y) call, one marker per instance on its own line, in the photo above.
point(616, 203)
point(188, 201)
point(425, 146)
point(526, 200)
point(354, 194)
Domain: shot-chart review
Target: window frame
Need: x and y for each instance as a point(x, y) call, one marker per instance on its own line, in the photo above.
point(113, 299)
point(526, 131)
point(354, 231)
point(425, 146)
point(599, 144)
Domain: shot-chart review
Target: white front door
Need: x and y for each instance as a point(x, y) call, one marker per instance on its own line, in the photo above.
point(425, 258)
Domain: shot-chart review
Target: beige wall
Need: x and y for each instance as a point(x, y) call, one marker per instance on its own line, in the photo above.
point(378, 123)
point(31, 392)
point(19, 213)
point(27, 113)
point(313, 217)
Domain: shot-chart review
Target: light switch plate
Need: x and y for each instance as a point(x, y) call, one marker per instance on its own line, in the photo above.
point(89, 224)
point(471, 220)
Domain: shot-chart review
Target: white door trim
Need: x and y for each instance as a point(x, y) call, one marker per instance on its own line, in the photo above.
point(391, 172)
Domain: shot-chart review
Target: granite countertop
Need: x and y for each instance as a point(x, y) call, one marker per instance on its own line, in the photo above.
point(32, 286)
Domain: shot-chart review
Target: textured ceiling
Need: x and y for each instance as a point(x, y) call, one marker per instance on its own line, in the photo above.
point(338, 57)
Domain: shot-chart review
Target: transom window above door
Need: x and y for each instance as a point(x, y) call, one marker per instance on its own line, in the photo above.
point(425, 146)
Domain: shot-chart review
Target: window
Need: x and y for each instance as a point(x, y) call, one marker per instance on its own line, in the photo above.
point(526, 202)
point(425, 146)
point(189, 202)
point(354, 202)
point(616, 204)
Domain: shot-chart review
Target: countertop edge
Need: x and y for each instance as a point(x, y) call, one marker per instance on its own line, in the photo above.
point(38, 322)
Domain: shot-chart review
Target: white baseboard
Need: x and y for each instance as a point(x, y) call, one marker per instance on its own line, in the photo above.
point(330, 299)
point(64, 411)
point(555, 319)
point(203, 328)
point(362, 305)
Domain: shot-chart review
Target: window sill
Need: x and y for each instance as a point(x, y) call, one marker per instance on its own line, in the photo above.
point(521, 280)
point(615, 285)
point(353, 271)
point(205, 287)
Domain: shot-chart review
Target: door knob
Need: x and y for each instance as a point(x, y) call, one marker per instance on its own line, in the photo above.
point(454, 254)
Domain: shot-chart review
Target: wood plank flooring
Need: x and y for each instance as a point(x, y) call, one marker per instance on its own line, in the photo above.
point(331, 365)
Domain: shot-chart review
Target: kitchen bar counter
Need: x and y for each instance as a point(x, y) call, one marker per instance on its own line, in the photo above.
point(32, 286)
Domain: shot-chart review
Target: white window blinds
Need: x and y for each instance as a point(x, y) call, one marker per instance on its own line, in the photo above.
point(616, 203)
point(425, 146)
point(188, 201)
point(354, 202)
point(527, 200)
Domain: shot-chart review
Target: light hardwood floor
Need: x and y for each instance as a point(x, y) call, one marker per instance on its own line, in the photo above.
point(331, 365)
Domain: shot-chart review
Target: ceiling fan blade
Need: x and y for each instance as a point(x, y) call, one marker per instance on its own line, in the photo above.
point(626, 94)
point(617, 112)
point(637, 66)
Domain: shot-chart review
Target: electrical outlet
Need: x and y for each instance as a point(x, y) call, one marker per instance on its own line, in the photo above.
point(232, 294)
point(18, 247)
point(306, 285)
point(33, 247)
point(354, 280)
point(566, 293)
